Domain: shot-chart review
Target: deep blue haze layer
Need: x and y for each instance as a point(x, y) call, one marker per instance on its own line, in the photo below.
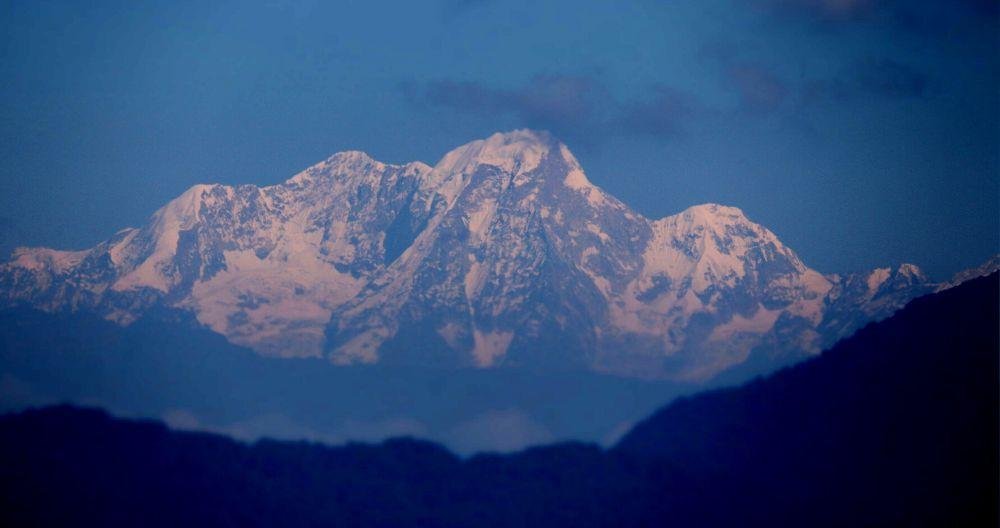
point(895, 426)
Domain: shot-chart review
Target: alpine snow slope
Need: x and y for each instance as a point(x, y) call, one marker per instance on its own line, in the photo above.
point(503, 254)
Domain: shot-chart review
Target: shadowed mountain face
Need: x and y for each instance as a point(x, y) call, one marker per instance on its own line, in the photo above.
point(502, 254)
point(895, 426)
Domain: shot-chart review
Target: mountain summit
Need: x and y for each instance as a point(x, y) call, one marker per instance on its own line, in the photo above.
point(503, 253)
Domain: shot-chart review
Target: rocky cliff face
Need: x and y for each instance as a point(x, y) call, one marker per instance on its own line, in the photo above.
point(502, 254)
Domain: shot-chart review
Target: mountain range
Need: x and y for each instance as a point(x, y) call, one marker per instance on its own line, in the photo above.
point(894, 426)
point(502, 254)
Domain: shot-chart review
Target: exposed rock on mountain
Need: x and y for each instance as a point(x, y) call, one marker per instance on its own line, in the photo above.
point(502, 254)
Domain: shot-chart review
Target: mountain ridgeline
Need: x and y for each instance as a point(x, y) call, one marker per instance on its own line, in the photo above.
point(502, 254)
point(895, 426)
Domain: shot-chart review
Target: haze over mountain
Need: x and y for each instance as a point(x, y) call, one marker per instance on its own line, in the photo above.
point(895, 426)
point(502, 254)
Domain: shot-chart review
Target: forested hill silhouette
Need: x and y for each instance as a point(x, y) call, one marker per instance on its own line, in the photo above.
point(900, 419)
point(895, 426)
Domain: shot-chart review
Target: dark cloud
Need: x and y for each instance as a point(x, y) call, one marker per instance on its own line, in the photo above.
point(955, 20)
point(890, 78)
point(922, 16)
point(554, 102)
point(461, 95)
point(826, 90)
point(570, 106)
point(760, 89)
point(987, 8)
point(885, 78)
point(663, 114)
point(832, 10)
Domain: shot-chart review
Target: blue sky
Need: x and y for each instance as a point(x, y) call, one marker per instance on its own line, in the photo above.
point(863, 132)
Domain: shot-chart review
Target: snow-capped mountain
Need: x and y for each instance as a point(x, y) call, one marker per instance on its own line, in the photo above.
point(502, 254)
point(262, 266)
point(984, 269)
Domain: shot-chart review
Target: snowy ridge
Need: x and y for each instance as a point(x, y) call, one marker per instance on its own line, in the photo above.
point(263, 266)
point(503, 253)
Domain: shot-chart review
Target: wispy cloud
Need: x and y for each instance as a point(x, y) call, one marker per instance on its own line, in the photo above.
point(568, 105)
point(759, 88)
point(281, 427)
point(503, 430)
point(556, 102)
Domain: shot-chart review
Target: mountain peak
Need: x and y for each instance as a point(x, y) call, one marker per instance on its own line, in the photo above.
point(708, 212)
point(519, 154)
point(499, 251)
point(354, 165)
point(990, 266)
point(348, 162)
point(912, 271)
point(522, 136)
point(714, 218)
point(518, 151)
point(351, 160)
